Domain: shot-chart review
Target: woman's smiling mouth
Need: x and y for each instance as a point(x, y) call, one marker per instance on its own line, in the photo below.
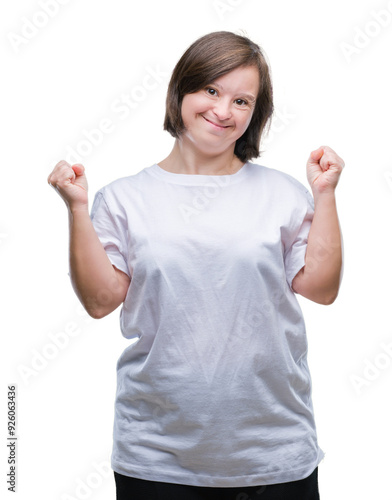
point(220, 127)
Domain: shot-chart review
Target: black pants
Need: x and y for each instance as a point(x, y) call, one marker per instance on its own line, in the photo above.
point(129, 488)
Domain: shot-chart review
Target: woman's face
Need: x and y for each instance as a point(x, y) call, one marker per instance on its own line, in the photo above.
point(216, 116)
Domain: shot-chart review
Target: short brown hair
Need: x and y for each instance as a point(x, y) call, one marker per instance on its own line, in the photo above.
point(208, 58)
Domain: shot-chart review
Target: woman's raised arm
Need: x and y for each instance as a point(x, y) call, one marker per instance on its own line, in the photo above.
point(99, 285)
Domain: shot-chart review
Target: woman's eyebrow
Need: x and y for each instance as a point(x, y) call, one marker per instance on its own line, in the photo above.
point(250, 97)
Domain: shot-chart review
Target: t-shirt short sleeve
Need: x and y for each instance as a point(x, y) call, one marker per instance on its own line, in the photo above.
point(294, 257)
point(109, 232)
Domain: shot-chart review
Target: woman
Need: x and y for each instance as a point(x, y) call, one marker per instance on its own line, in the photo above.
point(205, 251)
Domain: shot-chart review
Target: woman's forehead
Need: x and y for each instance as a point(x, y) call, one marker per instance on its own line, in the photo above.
point(244, 79)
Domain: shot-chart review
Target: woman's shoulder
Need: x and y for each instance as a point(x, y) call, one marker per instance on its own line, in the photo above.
point(122, 184)
point(278, 178)
point(282, 187)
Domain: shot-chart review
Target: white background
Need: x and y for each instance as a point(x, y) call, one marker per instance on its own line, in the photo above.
point(331, 69)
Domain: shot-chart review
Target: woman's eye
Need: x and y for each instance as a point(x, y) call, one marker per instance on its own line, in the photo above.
point(213, 92)
point(241, 102)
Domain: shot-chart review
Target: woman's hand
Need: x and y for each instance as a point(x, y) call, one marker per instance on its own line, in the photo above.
point(71, 184)
point(323, 169)
point(319, 280)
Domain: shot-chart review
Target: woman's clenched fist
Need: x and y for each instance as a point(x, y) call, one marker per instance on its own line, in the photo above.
point(71, 184)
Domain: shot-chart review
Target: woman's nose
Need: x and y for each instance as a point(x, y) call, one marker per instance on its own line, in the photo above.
point(222, 110)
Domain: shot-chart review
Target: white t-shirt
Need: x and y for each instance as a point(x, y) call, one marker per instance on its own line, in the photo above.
point(216, 390)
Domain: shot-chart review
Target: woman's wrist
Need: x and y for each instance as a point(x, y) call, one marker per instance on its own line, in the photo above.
point(324, 196)
point(78, 208)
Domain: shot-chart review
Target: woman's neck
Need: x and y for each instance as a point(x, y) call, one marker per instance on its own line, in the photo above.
point(186, 159)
